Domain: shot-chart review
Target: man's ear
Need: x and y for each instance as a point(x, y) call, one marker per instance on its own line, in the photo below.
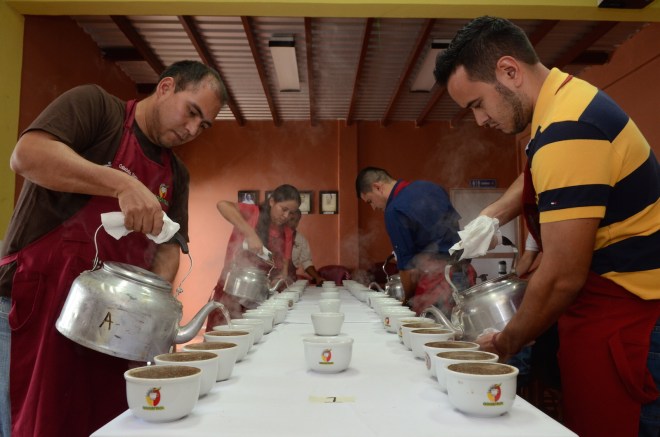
point(508, 70)
point(165, 86)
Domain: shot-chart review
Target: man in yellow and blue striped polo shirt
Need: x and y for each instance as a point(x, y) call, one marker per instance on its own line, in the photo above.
point(591, 198)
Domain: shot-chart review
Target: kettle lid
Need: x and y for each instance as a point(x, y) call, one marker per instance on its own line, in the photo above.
point(137, 274)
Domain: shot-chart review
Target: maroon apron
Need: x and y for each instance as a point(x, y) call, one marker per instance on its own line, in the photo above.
point(57, 387)
point(604, 339)
point(433, 289)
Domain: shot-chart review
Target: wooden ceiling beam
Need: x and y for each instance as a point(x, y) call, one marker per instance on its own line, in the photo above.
point(127, 28)
point(249, 33)
point(190, 26)
point(358, 71)
point(410, 65)
point(436, 94)
point(541, 31)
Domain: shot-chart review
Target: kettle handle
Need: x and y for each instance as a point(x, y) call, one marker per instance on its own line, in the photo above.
point(178, 238)
point(507, 242)
point(387, 260)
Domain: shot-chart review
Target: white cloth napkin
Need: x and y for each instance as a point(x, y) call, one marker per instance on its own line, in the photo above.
point(265, 254)
point(476, 237)
point(113, 223)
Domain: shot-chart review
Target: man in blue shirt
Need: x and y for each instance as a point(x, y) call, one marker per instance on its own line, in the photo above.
point(422, 225)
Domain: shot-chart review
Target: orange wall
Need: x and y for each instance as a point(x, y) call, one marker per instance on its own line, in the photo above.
point(58, 55)
point(48, 70)
point(261, 156)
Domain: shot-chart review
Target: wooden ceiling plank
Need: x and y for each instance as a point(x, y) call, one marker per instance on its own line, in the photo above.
point(410, 65)
point(247, 27)
point(127, 28)
point(585, 42)
point(358, 71)
point(190, 26)
point(310, 71)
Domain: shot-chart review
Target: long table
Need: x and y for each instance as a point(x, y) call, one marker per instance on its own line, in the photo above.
point(385, 392)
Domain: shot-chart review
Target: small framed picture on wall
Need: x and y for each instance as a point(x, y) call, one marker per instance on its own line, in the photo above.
point(248, 196)
point(329, 202)
point(305, 202)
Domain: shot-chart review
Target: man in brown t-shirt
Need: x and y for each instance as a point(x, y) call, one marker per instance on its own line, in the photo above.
point(89, 152)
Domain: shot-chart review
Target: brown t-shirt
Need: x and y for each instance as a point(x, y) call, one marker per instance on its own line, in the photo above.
point(90, 121)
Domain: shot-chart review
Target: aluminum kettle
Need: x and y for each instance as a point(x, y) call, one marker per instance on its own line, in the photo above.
point(126, 311)
point(393, 285)
point(490, 304)
point(249, 285)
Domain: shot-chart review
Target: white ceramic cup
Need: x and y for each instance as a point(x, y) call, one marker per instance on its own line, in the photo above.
point(241, 338)
point(286, 298)
point(382, 304)
point(407, 327)
point(279, 308)
point(162, 393)
point(328, 354)
point(327, 323)
point(444, 359)
point(329, 294)
point(432, 348)
point(472, 390)
point(390, 313)
point(207, 362)
point(398, 321)
point(329, 305)
point(227, 354)
point(236, 328)
point(268, 317)
point(256, 324)
point(419, 337)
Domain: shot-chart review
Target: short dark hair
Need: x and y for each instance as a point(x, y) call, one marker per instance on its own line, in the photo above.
point(368, 176)
point(191, 74)
point(479, 45)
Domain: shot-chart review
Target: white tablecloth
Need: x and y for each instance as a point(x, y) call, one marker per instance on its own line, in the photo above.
point(385, 392)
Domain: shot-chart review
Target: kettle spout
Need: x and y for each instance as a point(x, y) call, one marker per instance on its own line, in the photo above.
point(273, 289)
point(434, 313)
point(377, 286)
point(188, 332)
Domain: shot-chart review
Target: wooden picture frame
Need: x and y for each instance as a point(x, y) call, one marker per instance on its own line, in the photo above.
point(306, 203)
point(248, 196)
point(329, 202)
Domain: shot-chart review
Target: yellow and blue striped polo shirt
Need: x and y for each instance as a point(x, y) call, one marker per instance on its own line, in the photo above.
point(589, 160)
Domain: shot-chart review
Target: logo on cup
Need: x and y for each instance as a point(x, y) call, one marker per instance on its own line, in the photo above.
point(494, 394)
point(326, 356)
point(153, 399)
point(387, 321)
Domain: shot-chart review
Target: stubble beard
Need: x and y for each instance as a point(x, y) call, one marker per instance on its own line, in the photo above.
point(518, 114)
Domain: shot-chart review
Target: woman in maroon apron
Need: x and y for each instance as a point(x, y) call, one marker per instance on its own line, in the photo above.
point(57, 386)
point(270, 224)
